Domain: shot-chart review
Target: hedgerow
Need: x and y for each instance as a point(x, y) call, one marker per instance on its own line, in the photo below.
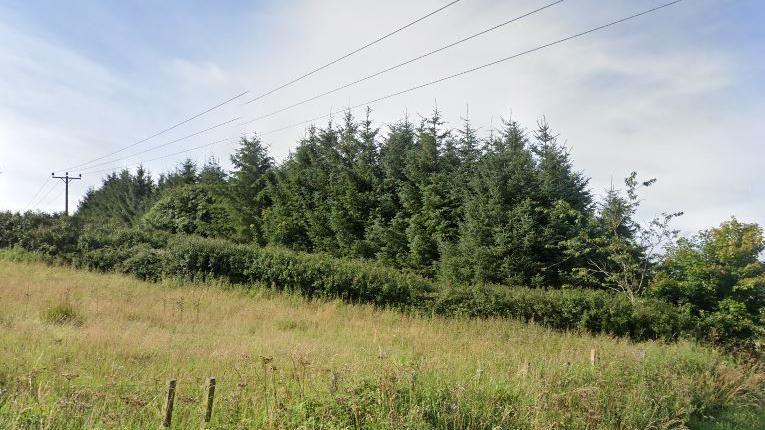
point(153, 255)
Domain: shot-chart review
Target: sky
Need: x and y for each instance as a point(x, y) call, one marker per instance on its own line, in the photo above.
point(678, 95)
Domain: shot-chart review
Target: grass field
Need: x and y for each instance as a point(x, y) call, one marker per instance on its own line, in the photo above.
point(85, 350)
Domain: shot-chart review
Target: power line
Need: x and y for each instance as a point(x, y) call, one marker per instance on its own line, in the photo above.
point(355, 51)
point(303, 76)
point(166, 156)
point(161, 132)
point(483, 66)
point(57, 196)
point(406, 62)
point(197, 133)
point(42, 199)
point(464, 72)
point(47, 181)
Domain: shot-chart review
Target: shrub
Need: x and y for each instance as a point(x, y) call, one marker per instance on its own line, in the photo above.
point(192, 209)
point(106, 249)
point(143, 262)
point(586, 310)
point(310, 274)
point(731, 325)
point(54, 236)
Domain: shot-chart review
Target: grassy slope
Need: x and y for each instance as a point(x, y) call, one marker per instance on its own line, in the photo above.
point(282, 362)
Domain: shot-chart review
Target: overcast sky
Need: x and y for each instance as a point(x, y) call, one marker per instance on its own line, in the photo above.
point(676, 95)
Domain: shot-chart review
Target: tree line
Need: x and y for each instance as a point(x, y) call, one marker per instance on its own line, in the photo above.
point(451, 205)
point(440, 202)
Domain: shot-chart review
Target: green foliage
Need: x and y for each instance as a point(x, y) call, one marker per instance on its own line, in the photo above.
point(440, 202)
point(155, 255)
point(585, 310)
point(444, 203)
point(248, 188)
point(615, 251)
point(406, 217)
point(104, 248)
point(54, 236)
point(143, 262)
point(192, 209)
point(717, 275)
point(309, 274)
point(121, 199)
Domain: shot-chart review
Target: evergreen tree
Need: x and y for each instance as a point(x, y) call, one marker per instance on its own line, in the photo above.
point(424, 196)
point(212, 173)
point(353, 182)
point(387, 229)
point(507, 209)
point(249, 187)
point(185, 174)
point(499, 239)
point(565, 201)
point(122, 198)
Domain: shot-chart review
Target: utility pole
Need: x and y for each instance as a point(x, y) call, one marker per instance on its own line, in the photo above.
point(67, 179)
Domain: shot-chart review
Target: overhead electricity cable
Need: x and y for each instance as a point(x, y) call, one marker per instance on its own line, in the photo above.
point(355, 51)
point(404, 63)
point(269, 92)
point(56, 196)
point(165, 156)
point(42, 199)
point(153, 148)
point(47, 181)
point(159, 133)
point(483, 66)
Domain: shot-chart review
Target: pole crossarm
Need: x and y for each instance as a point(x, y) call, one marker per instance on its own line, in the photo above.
point(66, 179)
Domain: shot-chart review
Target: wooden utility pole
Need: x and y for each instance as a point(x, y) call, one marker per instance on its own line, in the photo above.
point(67, 179)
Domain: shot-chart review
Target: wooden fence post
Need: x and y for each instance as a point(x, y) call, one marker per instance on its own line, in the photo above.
point(593, 356)
point(210, 398)
point(168, 417)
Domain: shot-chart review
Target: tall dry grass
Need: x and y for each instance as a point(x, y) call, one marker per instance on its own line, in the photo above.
point(284, 362)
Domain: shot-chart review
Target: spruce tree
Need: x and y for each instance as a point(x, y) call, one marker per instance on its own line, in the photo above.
point(249, 187)
point(499, 237)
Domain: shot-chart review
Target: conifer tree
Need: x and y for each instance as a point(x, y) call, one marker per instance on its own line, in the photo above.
point(387, 229)
point(122, 198)
point(249, 186)
point(212, 173)
point(565, 202)
point(499, 238)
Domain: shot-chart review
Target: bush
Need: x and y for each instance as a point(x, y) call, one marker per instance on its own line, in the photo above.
point(360, 281)
point(54, 236)
point(143, 262)
point(105, 248)
point(731, 325)
point(310, 274)
point(192, 209)
point(587, 310)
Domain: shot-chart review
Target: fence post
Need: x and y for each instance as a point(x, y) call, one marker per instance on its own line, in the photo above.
point(210, 398)
point(168, 417)
point(593, 357)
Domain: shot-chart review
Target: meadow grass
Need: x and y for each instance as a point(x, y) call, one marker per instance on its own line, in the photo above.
point(80, 350)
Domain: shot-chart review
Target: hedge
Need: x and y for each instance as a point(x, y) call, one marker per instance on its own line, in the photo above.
point(153, 255)
point(575, 309)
